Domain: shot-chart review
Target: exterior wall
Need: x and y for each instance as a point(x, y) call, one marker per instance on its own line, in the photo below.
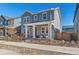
point(22, 22)
point(57, 19)
point(10, 22)
point(39, 16)
point(17, 25)
point(24, 15)
point(17, 22)
point(76, 21)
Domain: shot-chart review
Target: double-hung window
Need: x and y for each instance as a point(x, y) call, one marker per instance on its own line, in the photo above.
point(44, 30)
point(26, 19)
point(35, 17)
point(1, 23)
point(44, 16)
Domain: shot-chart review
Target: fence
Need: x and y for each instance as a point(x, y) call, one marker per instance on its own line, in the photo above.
point(63, 36)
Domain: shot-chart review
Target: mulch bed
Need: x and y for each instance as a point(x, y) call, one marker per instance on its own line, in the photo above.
point(29, 51)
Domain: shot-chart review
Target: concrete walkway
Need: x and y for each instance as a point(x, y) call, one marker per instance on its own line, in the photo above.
point(68, 50)
point(8, 52)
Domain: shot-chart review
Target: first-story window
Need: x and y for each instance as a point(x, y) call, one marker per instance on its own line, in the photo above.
point(43, 29)
point(46, 29)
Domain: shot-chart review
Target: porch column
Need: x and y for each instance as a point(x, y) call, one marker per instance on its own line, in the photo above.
point(50, 31)
point(33, 31)
point(25, 31)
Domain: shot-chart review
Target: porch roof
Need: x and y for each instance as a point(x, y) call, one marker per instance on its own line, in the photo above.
point(40, 23)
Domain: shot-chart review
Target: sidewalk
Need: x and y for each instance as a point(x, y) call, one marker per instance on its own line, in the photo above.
point(43, 47)
point(8, 52)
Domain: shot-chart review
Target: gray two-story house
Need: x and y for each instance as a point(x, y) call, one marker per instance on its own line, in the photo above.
point(42, 24)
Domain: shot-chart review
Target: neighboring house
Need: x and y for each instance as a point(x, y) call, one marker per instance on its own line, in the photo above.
point(68, 28)
point(41, 24)
point(17, 25)
point(6, 26)
point(76, 20)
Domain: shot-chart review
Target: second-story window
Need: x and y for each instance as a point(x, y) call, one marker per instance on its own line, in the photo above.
point(35, 17)
point(26, 19)
point(44, 16)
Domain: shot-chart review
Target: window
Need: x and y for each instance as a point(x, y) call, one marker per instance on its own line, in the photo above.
point(1, 23)
point(23, 26)
point(26, 19)
point(44, 15)
point(35, 17)
point(52, 15)
point(24, 30)
point(46, 29)
point(1, 32)
point(43, 29)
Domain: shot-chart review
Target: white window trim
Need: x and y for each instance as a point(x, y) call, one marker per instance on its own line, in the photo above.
point(34, 17)
point(1, 23)
point(26, 18)
point(46, 15)
point(41, 29)
point(44, 30)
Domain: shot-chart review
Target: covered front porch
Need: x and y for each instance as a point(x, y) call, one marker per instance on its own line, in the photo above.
point(43, 30)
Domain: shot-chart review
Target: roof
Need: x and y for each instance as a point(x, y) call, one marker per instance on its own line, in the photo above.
point(68, 26)
point(6, 17)
point(41, 10)
point(17, 17)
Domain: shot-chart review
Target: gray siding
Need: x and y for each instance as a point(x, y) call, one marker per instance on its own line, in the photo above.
point(39, 16)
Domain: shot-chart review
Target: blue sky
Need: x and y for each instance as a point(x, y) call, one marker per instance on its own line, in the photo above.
point(16, 9)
